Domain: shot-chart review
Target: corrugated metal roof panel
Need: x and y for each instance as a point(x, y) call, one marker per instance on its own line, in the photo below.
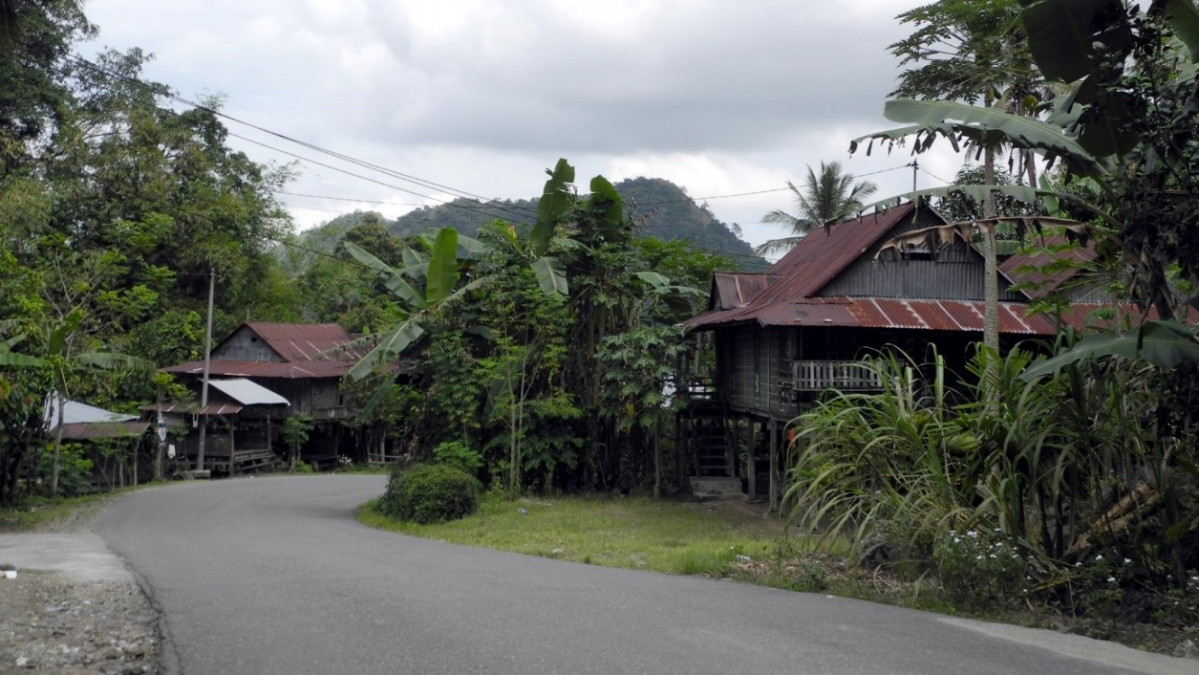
point(823, 254)
point(1029, 268)
point(74, 412)
point(947, 315)
point(88, 430)
point(735, 289)
point(248, 393)
point(193, 408)
point(267, 369)
point(305, 342)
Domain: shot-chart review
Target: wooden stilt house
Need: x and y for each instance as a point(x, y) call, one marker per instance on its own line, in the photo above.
point(258, 375)
point(782, 337)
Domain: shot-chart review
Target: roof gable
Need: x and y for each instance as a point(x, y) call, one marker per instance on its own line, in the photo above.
point(301, 342)
point(731, 290)
point(280, 350)
point(823, 254)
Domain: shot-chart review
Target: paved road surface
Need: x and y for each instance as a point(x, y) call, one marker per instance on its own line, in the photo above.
point(273, 575)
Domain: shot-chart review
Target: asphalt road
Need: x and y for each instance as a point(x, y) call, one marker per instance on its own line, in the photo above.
point(273, 575)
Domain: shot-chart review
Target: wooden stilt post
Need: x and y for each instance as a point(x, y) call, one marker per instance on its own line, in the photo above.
point(772, 430)
point(751, 453)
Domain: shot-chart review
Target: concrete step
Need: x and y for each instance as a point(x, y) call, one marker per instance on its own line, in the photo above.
point(716, 487)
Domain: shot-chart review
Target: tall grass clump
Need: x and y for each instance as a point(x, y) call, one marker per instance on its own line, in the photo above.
point(883, 470)
point(1061, 474)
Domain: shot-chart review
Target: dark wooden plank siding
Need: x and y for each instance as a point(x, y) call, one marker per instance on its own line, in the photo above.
point(755, 370)
point(244, 345)
point(955, 273)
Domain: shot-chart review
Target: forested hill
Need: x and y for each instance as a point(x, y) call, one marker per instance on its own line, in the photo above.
point(660, 208)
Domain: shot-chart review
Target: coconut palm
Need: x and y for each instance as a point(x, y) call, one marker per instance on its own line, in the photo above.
point(827, 198)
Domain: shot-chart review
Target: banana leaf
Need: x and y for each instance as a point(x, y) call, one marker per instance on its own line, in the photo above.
point(1165, 344)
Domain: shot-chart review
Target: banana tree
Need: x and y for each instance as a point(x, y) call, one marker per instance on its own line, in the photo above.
point(423, 285)
point(426, 283)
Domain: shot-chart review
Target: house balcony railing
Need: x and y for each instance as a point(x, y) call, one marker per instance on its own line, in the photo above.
point(842, 375)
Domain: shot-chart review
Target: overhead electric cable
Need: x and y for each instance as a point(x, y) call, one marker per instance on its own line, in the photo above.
point(312, 146)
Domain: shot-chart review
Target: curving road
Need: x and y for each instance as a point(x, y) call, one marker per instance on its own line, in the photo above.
point(273, 575)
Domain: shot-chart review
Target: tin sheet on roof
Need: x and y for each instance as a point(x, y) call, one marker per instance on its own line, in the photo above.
point(74, 412)
point(193, 408)
point(82, 431)
point(266, 369)
point(307, 342)
point(735, 289)
point(248, 392)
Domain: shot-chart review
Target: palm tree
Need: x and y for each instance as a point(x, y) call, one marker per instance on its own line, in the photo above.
point(826, 199)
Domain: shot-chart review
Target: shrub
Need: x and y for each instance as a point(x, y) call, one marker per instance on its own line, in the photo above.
point(979, 571)
point(459, 455)
point(430, 493)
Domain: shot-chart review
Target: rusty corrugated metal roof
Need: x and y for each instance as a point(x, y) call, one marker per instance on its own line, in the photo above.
point(308, 351)
point(305, 342)
point(735, 289)
point(193, 408)
point(1029, 268)
point(267, 369)
point(823, 254)
point(82, 431)
point(925, 314)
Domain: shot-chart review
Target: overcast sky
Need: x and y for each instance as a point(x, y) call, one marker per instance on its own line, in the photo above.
point(719, 97)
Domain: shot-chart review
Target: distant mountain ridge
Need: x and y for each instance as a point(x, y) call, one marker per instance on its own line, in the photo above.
point(659, 208)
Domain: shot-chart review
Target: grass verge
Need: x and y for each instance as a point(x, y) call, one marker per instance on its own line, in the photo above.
point(36, 514)
point(638, 533)
point(729, 540)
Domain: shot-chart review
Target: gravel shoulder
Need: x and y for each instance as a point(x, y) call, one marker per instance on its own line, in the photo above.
point(69, 605)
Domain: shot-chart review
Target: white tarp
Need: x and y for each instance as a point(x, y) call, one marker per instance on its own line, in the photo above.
point(247, 392)
point(75, 412)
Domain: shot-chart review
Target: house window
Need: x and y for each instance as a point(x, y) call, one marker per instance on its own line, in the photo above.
point(921, 251)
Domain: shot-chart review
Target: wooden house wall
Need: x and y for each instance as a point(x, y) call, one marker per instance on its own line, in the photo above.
point(319, 398)
point(754, 368)
point(245, 345)
point(755, 375)
point(954, 272)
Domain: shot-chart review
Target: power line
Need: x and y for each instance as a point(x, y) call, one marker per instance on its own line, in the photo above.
point(342, 199)
point(312, 146)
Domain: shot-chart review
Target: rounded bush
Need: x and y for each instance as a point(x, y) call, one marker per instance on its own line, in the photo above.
point(430, 493)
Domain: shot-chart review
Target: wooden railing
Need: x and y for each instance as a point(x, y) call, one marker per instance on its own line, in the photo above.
point(843, 375)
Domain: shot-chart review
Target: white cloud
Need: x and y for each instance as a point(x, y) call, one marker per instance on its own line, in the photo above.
point(719, 97)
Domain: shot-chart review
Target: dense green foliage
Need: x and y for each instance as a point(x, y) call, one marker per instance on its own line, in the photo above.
point(1078, 468)
point(545, 351)
point(115, 211)
point(1076, 474)
point(430, 493)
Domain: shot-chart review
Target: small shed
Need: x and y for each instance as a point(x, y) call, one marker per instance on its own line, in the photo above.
point(241, 417)
point(111, 440)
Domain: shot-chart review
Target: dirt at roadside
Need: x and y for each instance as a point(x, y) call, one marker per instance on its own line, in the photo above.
point(60, 619)
point(50, 623)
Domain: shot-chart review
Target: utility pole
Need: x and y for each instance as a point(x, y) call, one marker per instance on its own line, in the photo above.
point(207, 366)
point(915, 168)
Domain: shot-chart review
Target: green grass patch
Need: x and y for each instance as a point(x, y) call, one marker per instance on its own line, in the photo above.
point(37, 513)
point(638, 533)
